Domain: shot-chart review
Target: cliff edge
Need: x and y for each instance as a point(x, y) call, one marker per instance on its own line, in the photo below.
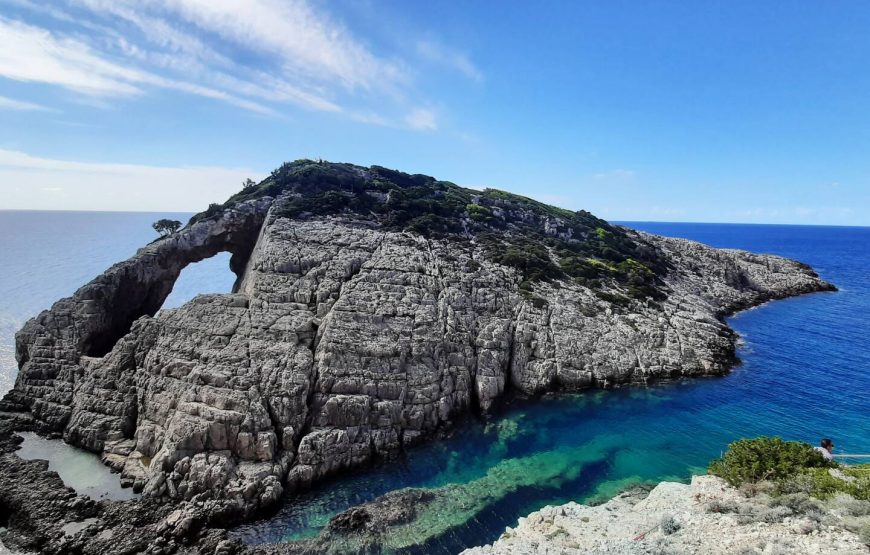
point(707, 516)
point(372, 309)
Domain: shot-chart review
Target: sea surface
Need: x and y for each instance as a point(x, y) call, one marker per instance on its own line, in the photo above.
point(45, 256)
point(805, 375)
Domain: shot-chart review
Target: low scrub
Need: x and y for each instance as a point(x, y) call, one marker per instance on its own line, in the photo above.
point(766, 458)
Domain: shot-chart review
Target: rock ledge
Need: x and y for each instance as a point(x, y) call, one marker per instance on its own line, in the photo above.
point(675, 519)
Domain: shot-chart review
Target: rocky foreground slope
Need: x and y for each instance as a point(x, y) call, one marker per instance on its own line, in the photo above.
point(372, 310)
point(708, 517)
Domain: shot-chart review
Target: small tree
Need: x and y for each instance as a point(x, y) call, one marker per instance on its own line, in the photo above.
point(166, 227)
point(248, 183)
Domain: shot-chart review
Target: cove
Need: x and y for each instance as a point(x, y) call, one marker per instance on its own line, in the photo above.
point(806, 366)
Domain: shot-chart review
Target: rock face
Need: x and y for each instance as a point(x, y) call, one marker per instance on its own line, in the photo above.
point(346, 340)
point(707, 516)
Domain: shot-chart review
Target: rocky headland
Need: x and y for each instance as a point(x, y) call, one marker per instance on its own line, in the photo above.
point(372, 310)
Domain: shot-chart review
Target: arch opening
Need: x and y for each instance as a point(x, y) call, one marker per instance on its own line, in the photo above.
point(210, 275)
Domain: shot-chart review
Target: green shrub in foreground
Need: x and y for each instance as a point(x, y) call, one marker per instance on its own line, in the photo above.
point(819, 483)
point(766, 458)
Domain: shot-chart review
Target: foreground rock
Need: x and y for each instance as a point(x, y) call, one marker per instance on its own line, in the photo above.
point(706, 517)
point(372, 310)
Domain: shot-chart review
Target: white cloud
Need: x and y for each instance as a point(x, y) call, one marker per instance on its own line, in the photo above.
point(452, 59)
point(307, 41)
point(32, 54)
point(258, 55)
point(12, 104)
point(422, 119)
point(28, 181)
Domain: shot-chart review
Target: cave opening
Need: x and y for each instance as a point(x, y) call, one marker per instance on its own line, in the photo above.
point(210, 275)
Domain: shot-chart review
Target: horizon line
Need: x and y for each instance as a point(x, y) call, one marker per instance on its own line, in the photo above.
point(613, 221)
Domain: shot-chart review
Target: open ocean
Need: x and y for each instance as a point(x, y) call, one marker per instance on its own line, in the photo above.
point(805, 374)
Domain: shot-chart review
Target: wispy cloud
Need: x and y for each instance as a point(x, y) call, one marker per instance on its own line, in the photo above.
point(27, 181)
point(422, 119)
point(32, 54)
point(258, 55)
point(29, 53)
point(12, 104)
point(307, 41)
point(455, 60)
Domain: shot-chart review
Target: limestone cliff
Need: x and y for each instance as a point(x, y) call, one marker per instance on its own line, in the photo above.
point(373, 309)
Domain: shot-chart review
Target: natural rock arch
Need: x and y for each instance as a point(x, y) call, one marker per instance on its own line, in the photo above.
point(91, 322)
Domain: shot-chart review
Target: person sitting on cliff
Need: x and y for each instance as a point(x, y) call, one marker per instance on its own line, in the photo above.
point(826, 448)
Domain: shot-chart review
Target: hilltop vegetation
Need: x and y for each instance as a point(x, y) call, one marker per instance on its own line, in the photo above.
point(544, 242)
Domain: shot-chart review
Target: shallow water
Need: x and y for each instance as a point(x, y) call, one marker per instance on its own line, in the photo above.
point(78, 468)
point(805, 374)
point(47, 256)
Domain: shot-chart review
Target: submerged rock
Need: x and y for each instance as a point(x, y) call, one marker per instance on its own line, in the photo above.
point(372, 309)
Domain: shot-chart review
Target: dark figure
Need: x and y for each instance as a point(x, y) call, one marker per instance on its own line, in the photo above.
point(826, 448)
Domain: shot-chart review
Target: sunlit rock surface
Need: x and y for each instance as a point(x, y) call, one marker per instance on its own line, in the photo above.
point(346, 340)
point(707, 516)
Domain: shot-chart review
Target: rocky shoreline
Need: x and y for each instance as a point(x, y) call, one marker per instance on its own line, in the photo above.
point(347, 339)
point(707, 516)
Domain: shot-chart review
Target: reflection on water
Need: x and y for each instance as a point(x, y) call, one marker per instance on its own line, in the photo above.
point(78, 469)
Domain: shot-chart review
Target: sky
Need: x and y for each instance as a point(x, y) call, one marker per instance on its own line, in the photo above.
point(718, 111)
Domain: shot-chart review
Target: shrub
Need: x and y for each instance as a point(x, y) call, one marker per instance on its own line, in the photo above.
point(669, 525)
point(766, 458)
point(544, 243)
point(819, 483)
point(166, 227)
point(717, 506)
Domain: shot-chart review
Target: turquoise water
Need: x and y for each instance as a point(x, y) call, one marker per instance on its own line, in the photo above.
point(805, 374)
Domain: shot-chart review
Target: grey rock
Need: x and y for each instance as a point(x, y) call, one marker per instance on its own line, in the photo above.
point(343, 343)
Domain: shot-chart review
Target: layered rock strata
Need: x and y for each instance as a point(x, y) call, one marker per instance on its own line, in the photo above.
point(345, 341)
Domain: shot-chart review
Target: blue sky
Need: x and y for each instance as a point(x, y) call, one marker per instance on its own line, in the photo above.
point(672, 111)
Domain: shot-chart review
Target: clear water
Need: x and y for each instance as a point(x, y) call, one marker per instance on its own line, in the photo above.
point(45, 256)
point(78, 469)
point(805, 374)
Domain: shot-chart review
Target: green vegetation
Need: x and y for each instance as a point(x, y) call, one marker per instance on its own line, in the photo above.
point(766, 458)
point(819, 483)
point(793, 478)
point(166, 227)
point(543, 242)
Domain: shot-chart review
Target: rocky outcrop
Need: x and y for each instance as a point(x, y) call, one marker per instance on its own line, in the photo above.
point(707, 517)
point(55, 348)
point(346, 340)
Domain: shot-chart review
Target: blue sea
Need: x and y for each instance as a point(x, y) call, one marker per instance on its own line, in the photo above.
point(805, 374)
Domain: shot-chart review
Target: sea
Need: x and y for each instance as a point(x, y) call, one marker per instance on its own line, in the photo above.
point(805, 374)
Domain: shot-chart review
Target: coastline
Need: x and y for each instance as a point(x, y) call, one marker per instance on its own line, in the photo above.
point(225, 452)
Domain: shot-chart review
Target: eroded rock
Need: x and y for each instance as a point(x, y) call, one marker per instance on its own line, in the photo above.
point(346, 341)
